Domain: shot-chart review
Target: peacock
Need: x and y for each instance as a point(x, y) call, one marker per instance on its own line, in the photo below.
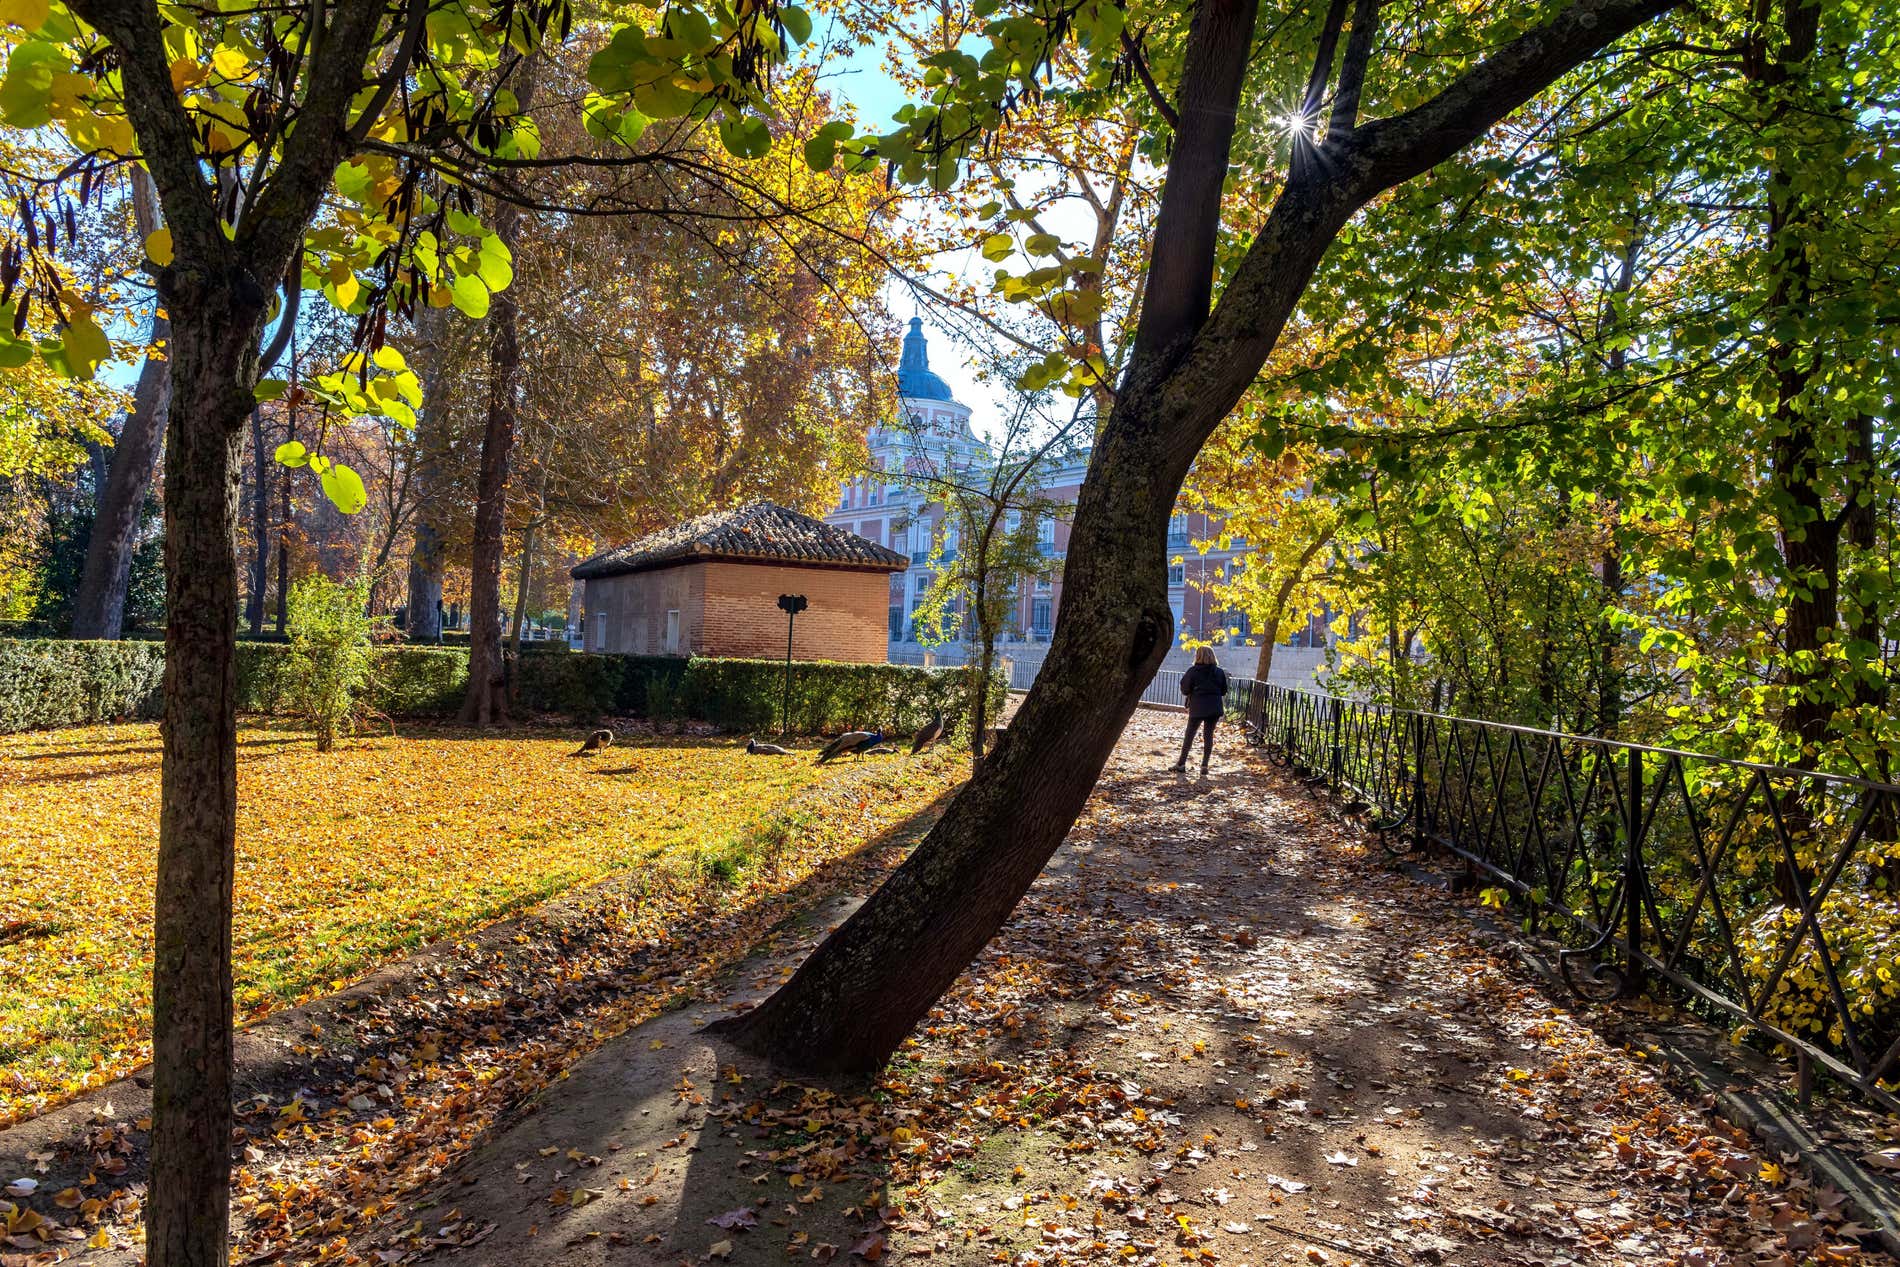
point(595, 741)
point(758, 749)
point(930, 734)
point(856, 742)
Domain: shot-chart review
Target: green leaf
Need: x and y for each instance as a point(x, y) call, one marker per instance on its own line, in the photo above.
point(26, 94)
point(820, 153)
point(269, 389)
point(470, 296)
point(998, 246)
point(83, 348)
point(292, 454)
point(797, 23)
point(746, 137)
point(344, 488)
point(14, 352)
point(495, 264)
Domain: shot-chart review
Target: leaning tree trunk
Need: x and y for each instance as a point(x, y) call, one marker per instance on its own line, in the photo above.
point(191, 959)
point(856, 998)
point(99, 602)
point(859, 994)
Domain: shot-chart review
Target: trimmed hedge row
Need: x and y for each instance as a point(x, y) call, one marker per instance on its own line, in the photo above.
point(55, 682)
point(50, 682)
point(408, 681)
point(745, 694)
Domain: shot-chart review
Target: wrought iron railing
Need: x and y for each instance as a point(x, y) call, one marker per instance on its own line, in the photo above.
point(1765, 895)
point(1164, 689)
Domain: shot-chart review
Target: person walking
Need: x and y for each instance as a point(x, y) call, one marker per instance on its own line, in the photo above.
point(1205, 687)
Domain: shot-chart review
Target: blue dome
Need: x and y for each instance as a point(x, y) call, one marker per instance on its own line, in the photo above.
point(914, 379)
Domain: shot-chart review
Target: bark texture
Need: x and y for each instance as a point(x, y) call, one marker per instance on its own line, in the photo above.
point(191, 961)
point(487, 700)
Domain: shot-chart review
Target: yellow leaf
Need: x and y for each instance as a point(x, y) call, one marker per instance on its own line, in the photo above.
point(186, 74)
point(158, 247)
point(230, 62)
point(28, 14)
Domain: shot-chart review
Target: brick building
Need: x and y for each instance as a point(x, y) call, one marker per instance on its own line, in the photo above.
point(710, 586)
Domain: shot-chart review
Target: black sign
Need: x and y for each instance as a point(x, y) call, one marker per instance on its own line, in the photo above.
point(791, 604)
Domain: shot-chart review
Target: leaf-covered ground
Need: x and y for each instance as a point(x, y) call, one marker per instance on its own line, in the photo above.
point(346, 860)
point(1216, 1031)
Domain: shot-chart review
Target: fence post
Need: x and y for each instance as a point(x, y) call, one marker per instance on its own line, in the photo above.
point(1633, 872)
point(1339, 719)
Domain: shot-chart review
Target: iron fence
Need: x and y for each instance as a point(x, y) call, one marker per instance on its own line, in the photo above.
point(1766, 895)
point(1165, 689)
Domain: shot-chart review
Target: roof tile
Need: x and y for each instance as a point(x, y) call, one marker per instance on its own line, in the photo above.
point(758, 530)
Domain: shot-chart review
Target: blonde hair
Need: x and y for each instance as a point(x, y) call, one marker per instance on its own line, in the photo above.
point(1204, 655)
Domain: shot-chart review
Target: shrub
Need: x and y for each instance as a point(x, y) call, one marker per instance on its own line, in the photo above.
point(584, 687)
point(745, 694)
point(590, 686)
point(59, 682)
point(332, 653)
point(62, 683)
point(418, 681)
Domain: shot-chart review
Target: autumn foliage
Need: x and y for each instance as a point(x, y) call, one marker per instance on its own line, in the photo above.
point(346, 861)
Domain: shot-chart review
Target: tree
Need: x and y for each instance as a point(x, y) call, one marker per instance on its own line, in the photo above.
point(853, 1001)
point(989, 545)
point(251, 122)
point(99, 603)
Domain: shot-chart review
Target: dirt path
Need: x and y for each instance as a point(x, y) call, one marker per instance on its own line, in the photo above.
point(1218, 1030)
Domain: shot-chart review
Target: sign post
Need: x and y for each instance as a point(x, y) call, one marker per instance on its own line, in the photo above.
point(791, 605)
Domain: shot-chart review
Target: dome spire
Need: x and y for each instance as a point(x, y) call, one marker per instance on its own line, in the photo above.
point(914, 379)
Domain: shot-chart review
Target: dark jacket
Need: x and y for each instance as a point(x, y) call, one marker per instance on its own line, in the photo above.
point(1205, 686)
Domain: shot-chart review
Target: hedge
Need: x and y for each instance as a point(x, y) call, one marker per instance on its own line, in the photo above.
point(745, 694)
point(50, 682)
point(45, 683)
point(409, 682)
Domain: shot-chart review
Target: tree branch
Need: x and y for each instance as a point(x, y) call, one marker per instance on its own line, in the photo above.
point(1235, 342)
point(165, 131)
point(398, 68)
point(1140, 65)
point(1181, 265)
point(1352, 71)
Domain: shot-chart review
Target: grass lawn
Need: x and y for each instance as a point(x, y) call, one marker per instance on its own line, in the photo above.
point(345, 860)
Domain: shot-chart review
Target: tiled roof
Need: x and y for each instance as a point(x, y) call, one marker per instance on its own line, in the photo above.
point(760, 531)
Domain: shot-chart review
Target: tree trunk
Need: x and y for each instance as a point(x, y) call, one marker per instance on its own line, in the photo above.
point(283, 516)
point(856, 998)
point(260, 525)
point(186, 1209)
point(1263, 667)
point(99, 603)
point(487, 700)
point(1810, 537)
point(427, 554)
point(525, 571)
